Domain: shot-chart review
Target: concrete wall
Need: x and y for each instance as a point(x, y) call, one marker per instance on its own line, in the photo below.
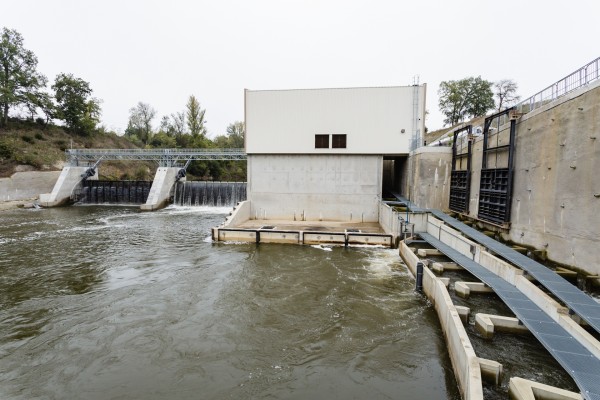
point(426, 178)
point(68, 179)
point(464, 360)
point(376, 120)
point(27, 185)
point(556, 190)
point(163, 182)
point(314, 187)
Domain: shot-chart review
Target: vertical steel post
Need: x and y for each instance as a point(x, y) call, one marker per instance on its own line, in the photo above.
point(419, 287)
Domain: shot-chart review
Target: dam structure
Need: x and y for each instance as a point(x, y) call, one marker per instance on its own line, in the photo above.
point(349, 166)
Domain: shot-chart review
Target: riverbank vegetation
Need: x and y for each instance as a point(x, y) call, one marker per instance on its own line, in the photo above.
point(38, 123)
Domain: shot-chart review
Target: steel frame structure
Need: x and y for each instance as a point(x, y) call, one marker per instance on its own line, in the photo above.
point(495, 189)
point(460, 179)
point(164, 157)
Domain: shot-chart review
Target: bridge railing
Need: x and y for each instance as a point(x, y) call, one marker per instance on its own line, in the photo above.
point(584, 75)
point(165, 157)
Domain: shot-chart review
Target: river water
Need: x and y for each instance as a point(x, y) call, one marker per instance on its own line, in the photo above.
point(111, 303)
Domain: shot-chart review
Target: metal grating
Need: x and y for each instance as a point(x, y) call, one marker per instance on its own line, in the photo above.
point(577, 362)
point(582, 304)
point(460, 177)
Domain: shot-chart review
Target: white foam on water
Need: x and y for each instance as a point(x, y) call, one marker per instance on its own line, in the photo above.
point(321, 247)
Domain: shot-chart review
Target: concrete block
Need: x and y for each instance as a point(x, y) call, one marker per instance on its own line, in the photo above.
point(487, 324)
point(323, 237)
point(491, 371)
point(464, 289)
point(445, 281)
point(463, 313)
point(523, 389)
point(364, 238)
point(279, 237)
point(236, 235)
point(428, 252)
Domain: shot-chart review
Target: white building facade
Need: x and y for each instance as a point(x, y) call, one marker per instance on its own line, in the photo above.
point(317, 154)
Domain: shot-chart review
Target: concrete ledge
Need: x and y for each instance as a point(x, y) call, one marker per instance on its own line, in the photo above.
point(465, 363)
point(234, 235)
point(428, 252)
point(487, 324)
point(523, 389)
point(239, 215)
point(464, 289)
point(440, 267)
point(491, 371)
point(372, 239)
point(323, 237)
point(279, 237)
point(463, 313)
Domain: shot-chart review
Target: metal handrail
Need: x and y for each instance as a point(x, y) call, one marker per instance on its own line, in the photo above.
point(581, 77)
point(165, 157)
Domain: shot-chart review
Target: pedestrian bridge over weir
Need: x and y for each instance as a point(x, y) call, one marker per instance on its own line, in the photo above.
point(164, 157)
point(172, 163)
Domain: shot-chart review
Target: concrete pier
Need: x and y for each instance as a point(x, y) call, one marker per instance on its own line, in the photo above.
point(161, 188)
point(68, 180)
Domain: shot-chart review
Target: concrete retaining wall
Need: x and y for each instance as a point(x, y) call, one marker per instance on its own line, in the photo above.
point(556, 190)
point(164, 179)
point(27, 185)
point(315, 187)
point(465, 362)
point(426, 178)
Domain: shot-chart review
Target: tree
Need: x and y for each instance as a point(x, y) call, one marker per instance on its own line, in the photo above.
point(75, 104)
point(195, 117)
point(140, 122)
point(19, 80)
point(469, 97)
point(505, 91)
point(234, 138)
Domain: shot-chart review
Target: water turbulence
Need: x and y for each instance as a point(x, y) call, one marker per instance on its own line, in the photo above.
point(113, 192)
point(204, 193)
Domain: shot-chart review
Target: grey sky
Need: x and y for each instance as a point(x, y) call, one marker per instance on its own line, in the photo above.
point(160, 52)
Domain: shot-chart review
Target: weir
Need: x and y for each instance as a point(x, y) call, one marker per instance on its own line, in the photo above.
point(204, 193)
point(113, 192)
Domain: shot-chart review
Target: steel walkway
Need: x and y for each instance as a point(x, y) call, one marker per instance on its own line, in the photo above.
point(165, 157)
point(579, 362)
point(579, 302)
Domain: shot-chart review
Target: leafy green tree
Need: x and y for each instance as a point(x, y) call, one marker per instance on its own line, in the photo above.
point(19, 81)
point(505, 91)
point(75, 104)
point(140, 122)
point(234, 137)
point(469, 97)
point(195, 118)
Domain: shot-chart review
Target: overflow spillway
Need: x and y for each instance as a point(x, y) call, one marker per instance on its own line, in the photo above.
point(113, 192)
point(204, 193)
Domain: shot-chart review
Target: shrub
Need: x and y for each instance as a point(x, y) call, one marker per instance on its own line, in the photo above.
point(39, 136)
point(6, 151)
point(27, 139)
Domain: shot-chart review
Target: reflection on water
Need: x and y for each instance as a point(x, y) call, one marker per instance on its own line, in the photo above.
point(112, 303)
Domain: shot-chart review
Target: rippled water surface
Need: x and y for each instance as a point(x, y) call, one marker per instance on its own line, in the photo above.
point(101, 303)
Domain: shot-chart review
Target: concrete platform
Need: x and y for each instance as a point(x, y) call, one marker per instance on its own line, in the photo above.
point(304, 232)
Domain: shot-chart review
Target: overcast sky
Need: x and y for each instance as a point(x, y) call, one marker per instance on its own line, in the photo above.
point(161, 52)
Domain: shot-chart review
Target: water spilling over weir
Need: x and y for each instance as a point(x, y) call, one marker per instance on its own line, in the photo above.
point(203, 193)
point(113, 192)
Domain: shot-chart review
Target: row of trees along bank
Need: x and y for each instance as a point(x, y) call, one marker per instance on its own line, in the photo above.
point(34, 106)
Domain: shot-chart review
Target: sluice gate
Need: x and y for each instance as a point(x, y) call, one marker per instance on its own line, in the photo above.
point(205, 193)
point(112, 192)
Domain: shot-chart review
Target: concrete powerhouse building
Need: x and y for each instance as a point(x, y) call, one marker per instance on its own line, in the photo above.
point(318, 154)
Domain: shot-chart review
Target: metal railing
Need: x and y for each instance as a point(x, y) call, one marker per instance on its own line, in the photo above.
point(584, 75)
point(165, 157)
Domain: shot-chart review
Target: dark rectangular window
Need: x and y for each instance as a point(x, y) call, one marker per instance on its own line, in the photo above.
point(321, 141)
point(338, 141)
